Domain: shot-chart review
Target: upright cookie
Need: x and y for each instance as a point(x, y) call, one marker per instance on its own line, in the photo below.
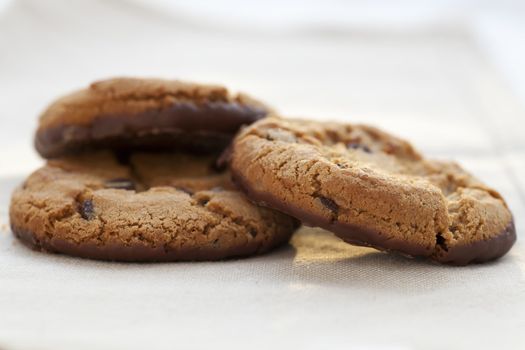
point(371, 189)
point(138, 114)
point(153, 208)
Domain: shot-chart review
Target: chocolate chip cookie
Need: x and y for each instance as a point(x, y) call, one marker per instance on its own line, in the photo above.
point(144, 114)
point(147, 207)
point(372, 189)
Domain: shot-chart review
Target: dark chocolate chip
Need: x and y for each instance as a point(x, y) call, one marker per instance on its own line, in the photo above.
point(120, 184)
point(253, 232)
point(203, 201)
point(354, 145)
point(329, 203)
point(87, 210)
point(440, 241)
point(184, 189)
point(332, 135)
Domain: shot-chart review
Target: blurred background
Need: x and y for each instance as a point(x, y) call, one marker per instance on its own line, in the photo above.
point(449, 75)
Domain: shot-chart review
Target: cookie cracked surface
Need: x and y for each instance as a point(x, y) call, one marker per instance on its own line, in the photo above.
point(144, 114)
point(371, 188)
point(154, 207)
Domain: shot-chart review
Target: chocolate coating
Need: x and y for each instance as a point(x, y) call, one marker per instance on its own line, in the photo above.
point(477, 252)
point(136, 252)
point(480, 251)
point(198, 127)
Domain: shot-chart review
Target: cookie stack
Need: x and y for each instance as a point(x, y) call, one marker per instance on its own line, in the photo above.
point(132, 176)
point(135, 173)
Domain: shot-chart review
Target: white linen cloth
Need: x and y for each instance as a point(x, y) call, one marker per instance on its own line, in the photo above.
point(434, 84)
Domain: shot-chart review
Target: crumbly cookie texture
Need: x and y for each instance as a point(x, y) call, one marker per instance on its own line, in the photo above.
point(372, 189)
point(92, 206)
point(144, 113)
